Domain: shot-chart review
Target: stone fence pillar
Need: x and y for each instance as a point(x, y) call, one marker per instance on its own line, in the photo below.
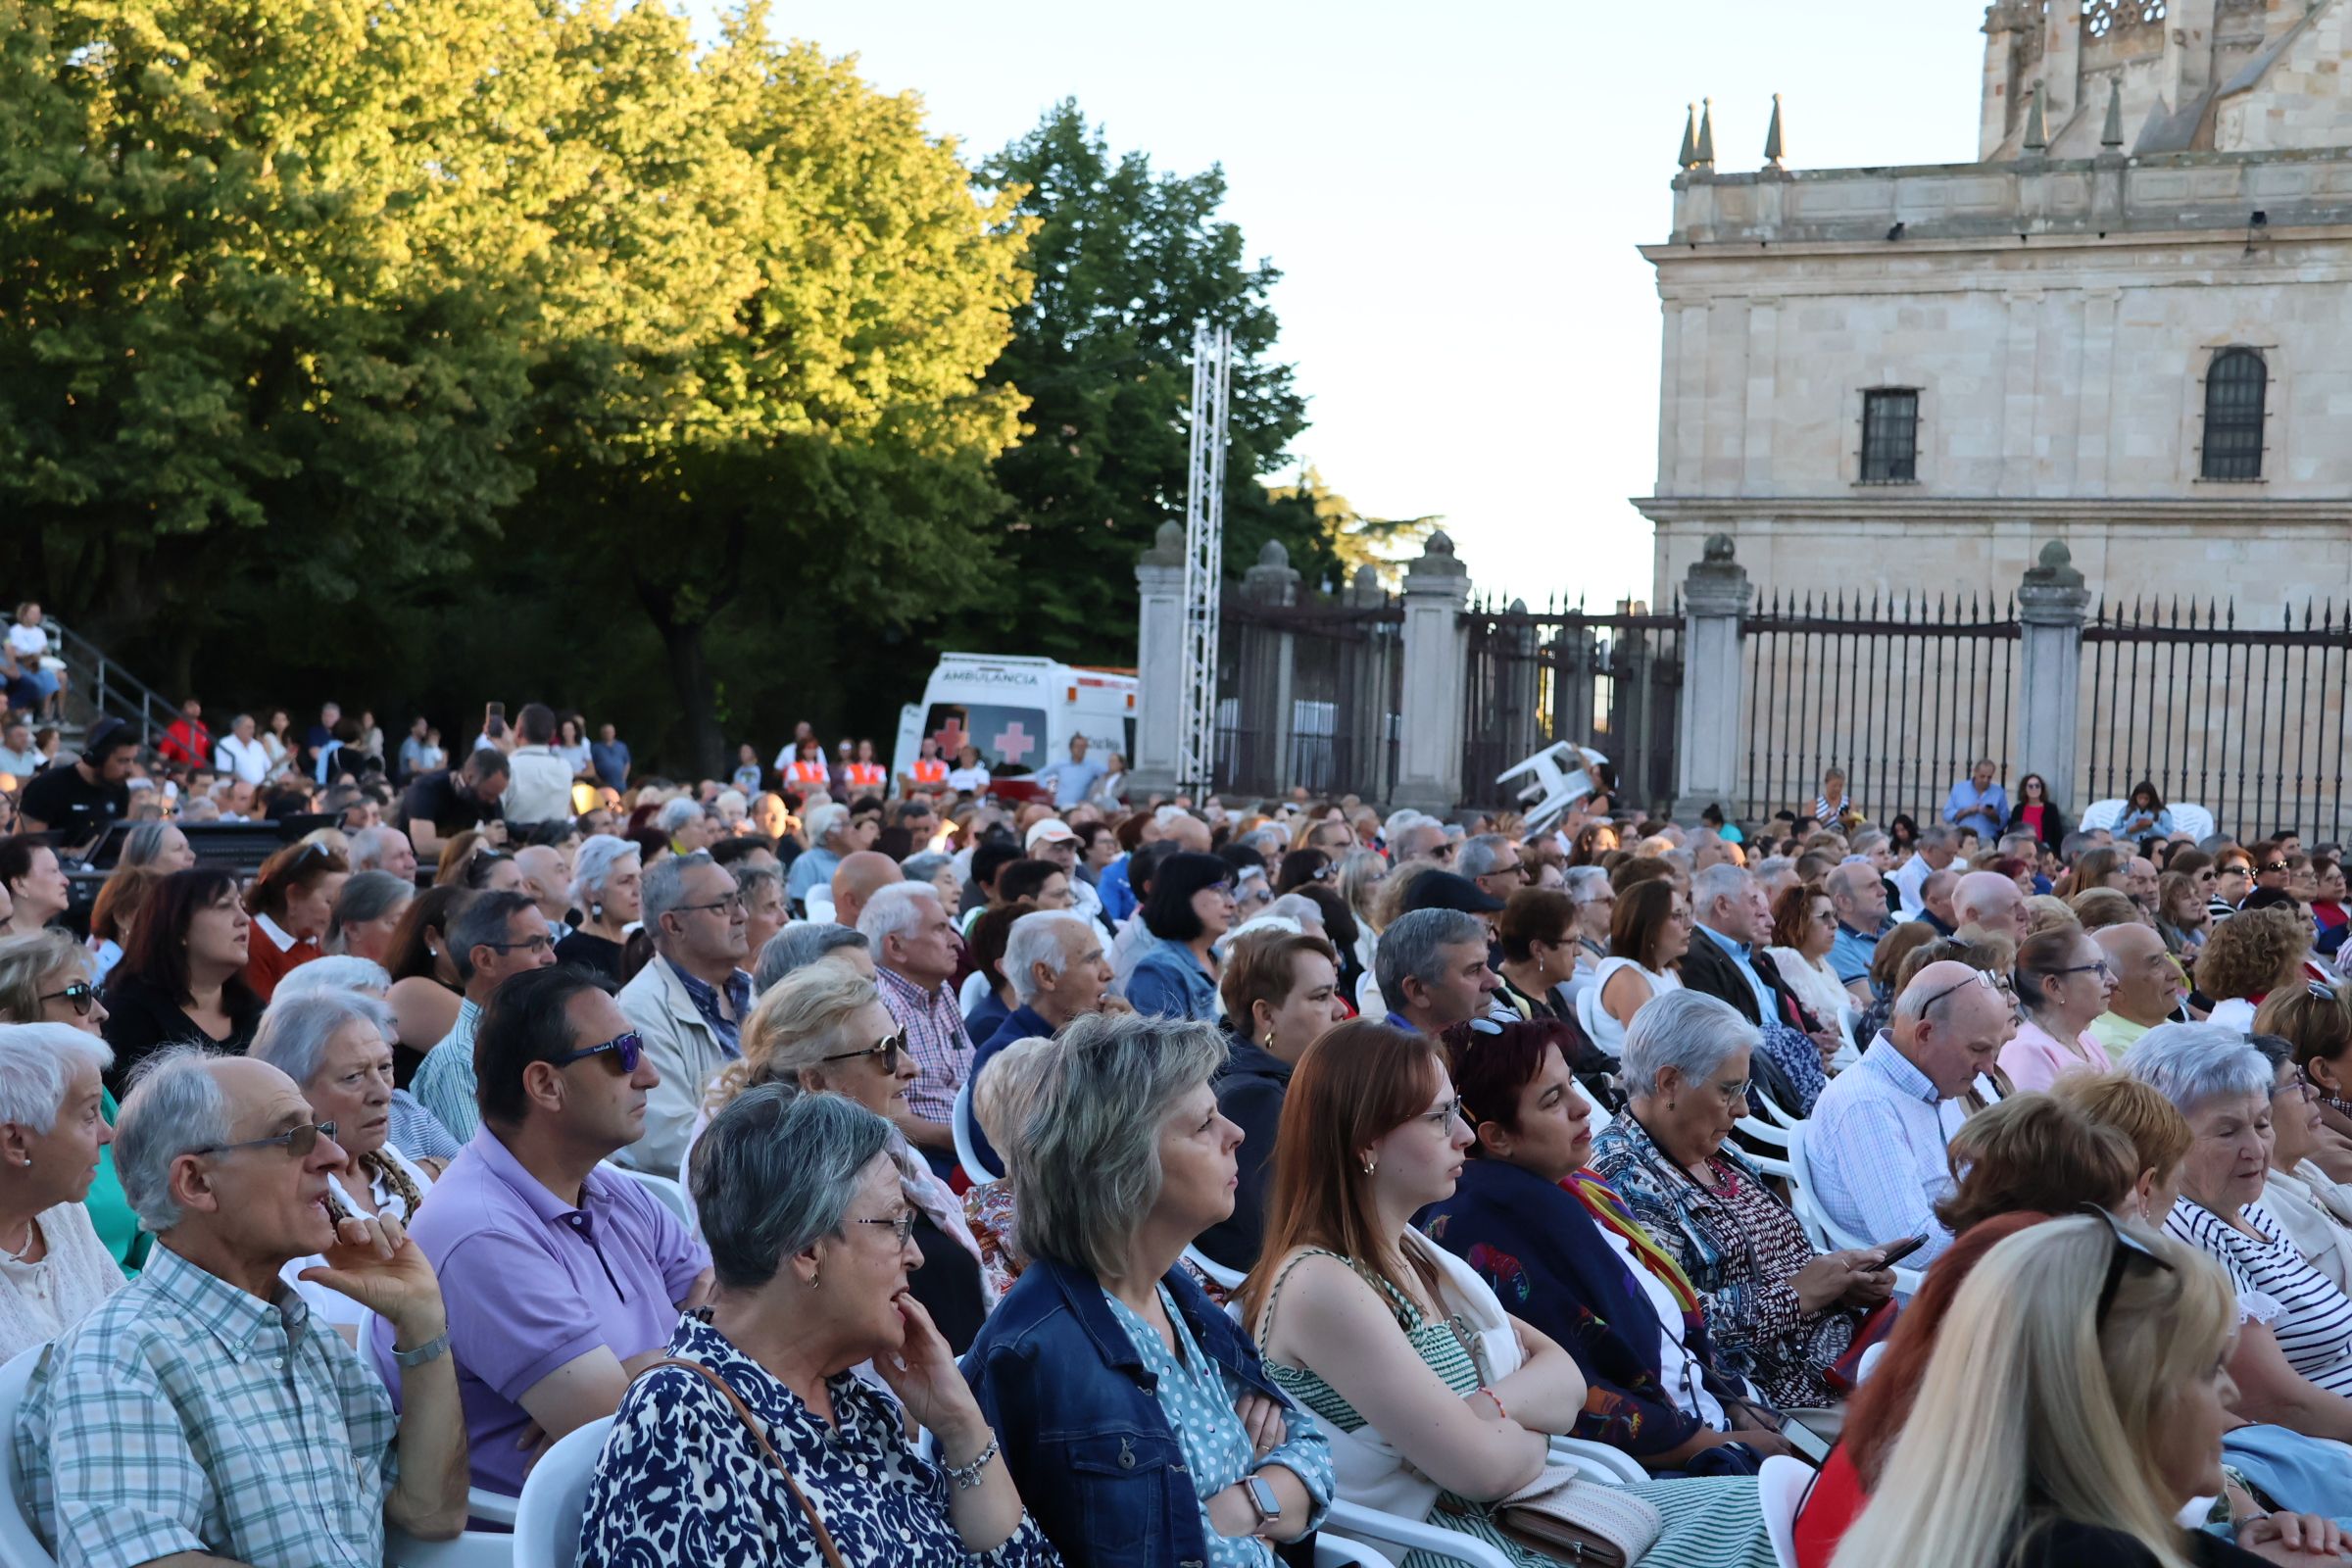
point(1707, 754)
point(2050, 605)
point(1436, 660)
point(1159, 663)
point(1263, 745)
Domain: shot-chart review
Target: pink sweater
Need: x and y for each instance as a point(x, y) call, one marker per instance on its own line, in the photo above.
point(2036, 1059)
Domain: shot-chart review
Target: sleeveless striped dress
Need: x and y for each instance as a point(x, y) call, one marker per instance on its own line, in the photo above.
point(1710, 1521)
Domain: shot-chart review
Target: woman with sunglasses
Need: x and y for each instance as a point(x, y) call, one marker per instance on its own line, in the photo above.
point(54, 1267)
point(182, 982)
point(1190, 908)
point(754, 1439)
point(2063, 982)
point(45, 978)
point(2293, 1355)
point(2021, 1449)
point(292, 902)
point(338, 1048)
point(2036, 813)
point(825, 1029)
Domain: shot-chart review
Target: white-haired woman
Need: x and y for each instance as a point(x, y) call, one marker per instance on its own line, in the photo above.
point(2074, 1406)
point(52, 1267)
point(608, 888)
point(1122, 1160)
point(2292, 1357)
point(415, 1131)
point(45, 978)
point(824, 1028)
point(828, 831)
point(338, 1048)
point(754, 1439)
point(1777, 1314)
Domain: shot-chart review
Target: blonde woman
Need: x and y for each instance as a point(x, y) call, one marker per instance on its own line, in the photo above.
point(824, 1030)
point(2075, 1405)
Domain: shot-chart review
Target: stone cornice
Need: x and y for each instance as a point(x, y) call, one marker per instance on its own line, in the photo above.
point(1899, 508)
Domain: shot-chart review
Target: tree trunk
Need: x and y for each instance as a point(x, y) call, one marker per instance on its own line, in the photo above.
point(690, 682)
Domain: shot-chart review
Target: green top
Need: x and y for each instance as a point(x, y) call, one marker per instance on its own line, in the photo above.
point(110, 1210)
point(1437, 1343)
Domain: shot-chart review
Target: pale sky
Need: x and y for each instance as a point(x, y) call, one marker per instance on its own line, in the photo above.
point(1453, 195)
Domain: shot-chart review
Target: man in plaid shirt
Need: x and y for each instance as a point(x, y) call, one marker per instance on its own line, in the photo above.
point(200, 1411)
point(914, 949)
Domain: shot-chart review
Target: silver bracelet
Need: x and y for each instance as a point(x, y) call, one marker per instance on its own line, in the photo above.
point(431, 1349)
point(967, 1476)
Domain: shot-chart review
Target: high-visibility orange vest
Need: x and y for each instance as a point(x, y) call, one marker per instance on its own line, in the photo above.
point(815, 773)
point(866, 775)
point(930, 771)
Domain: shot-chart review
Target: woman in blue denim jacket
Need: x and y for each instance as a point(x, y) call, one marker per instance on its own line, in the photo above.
point(1190, 907)
point(1134, 1415)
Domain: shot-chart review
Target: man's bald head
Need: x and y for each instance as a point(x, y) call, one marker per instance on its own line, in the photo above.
point(858, 877)
point(1189, 833)
point(546, 879)
point(2147, 980)
point(1951, 1022)
point(1990, 901)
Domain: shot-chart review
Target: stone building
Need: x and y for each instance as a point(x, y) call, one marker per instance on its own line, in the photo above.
point(2128, 325)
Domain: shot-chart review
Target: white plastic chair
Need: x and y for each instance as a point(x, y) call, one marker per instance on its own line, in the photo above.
point(19, 1546)
point(967, 1154)
point(1331, 1552)
point(1383, 1531)
point(1599, 1461)
point(1588, 1003)
point(2101, 814)
point(555, 1496)
point(1228, 1279)
point(1779, 1491)
point(671, 1195)
point(1824, 1233)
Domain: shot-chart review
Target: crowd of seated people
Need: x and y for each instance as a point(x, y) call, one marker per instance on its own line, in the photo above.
point(920, 1174)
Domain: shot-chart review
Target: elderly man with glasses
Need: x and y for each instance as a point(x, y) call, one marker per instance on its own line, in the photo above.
point(690, 1000)
point(198, 1415)
point(1878, 1135)
point(565, 1279)
point(495, 936)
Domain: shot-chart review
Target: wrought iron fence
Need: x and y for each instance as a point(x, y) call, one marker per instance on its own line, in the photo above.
point(2245, 720)
point(1611, 681)
point(1903, 695)
point(1308, 696)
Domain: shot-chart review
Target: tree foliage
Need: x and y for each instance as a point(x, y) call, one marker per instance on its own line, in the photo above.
point(1126, 261)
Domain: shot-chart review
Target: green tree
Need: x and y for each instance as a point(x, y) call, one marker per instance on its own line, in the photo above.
point(821, 454)
point(1126, 261)
point(235, 358)
point(1349, 537)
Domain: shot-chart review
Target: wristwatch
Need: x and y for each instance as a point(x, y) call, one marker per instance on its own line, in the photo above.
point(430, 1349)
point(1263, 1501)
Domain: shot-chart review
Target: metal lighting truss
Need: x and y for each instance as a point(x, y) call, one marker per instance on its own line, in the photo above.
point(1203, 553)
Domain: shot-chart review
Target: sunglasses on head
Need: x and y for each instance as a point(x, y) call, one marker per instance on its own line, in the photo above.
point(2128, 1248)
point(80, 993)
point(625, 1050)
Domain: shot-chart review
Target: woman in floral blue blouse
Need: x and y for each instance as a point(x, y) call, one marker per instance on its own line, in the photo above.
point(755, 1442)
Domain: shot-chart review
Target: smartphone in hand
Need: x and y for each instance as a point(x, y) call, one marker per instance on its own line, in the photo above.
point(1899, 1251)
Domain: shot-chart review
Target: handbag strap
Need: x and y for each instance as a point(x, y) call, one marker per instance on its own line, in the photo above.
point(816, 1523)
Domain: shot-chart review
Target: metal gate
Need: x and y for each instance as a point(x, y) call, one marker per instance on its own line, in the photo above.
point(1612, 682)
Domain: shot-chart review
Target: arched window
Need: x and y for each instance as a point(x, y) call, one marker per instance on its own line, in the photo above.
point(2236, 383)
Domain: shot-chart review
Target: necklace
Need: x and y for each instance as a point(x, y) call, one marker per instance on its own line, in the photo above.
point(16, 1255)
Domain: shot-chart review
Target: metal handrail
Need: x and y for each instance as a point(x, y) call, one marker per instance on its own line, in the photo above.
point(110, 688)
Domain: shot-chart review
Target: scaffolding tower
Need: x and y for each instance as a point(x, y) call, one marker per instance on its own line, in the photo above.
point(1204, 556)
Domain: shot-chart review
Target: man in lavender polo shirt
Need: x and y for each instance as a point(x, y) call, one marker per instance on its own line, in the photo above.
point(564, 1279)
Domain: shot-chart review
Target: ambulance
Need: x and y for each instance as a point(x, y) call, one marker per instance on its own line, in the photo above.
point(1021, 712)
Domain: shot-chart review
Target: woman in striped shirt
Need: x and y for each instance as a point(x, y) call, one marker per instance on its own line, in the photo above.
point(2293, 1356)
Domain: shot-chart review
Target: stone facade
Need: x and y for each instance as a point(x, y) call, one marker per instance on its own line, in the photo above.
point(2162, 180)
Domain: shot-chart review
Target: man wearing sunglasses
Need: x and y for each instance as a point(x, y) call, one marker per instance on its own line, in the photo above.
point(690, 1000)
point(564, 1277)
point(198, 1414)
point(1878, 1137)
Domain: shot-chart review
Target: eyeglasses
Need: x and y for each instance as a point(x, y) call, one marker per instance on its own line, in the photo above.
point(2101, 966)
point(541, 943)
point(2126, 1247)
point(732, 903)
point(1980, 978)
point(1441, 1117)
point(2273, 866)
point(1733, 1092)
point(902, 1227)
point(2300, 1084)
point(627, 1052)
point(80, 993)
point(298, 1142)
point(887, 1047)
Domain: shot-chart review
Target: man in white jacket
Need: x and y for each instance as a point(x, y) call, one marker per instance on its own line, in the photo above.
point(689, 1002)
